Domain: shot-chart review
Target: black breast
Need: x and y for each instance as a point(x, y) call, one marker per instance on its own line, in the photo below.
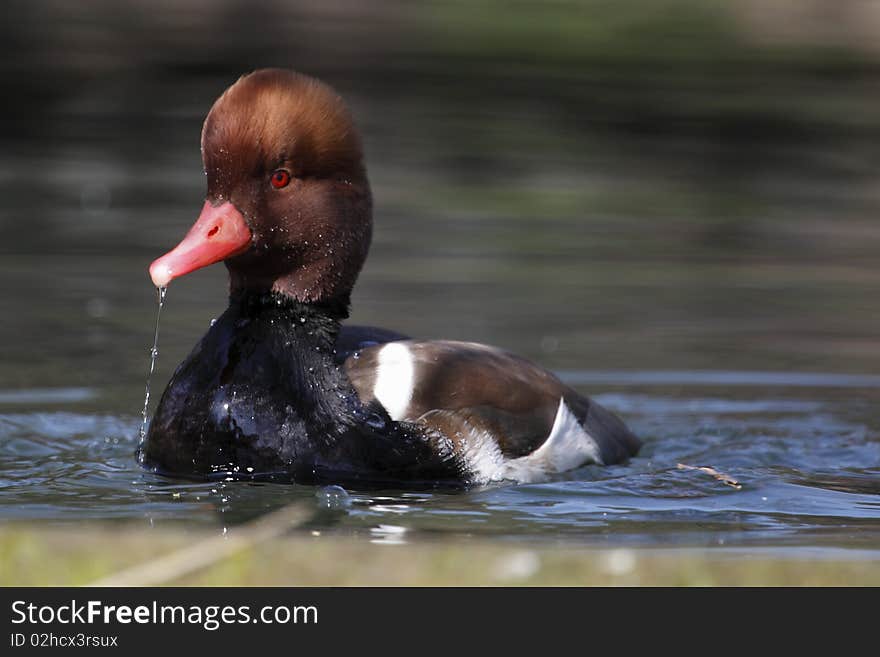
point(261, 396)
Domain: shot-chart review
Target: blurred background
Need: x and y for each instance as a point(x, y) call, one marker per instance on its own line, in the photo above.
point(628, 185)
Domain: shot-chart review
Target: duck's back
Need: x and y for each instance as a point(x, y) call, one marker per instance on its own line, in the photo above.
point(507, 417)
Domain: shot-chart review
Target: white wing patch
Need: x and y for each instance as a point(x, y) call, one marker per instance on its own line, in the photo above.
point(567, 447)
point(394, 379)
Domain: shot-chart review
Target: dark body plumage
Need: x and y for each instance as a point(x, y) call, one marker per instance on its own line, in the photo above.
point(262, 395)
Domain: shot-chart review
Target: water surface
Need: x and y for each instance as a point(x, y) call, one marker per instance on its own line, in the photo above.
point(806, 461)
point(680, 220)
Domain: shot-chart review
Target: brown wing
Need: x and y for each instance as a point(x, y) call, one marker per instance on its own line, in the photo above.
point(458, 386)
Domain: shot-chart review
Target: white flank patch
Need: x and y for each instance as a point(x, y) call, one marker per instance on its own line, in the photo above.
point(567, 447)
point(484, 459)
point(394, 379)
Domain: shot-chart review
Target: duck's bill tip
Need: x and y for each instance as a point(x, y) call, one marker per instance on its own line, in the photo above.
point(160, 273)
point(219, 233)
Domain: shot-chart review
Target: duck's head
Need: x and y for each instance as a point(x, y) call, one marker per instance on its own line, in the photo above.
point(288, 205)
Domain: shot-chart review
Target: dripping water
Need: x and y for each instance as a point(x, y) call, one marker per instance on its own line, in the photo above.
point(153, 353)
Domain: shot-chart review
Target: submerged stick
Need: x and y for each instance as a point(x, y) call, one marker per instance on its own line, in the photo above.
point(720, 476)
point(174, 566)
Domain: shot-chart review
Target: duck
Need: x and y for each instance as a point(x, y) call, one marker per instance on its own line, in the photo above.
point(280, 388)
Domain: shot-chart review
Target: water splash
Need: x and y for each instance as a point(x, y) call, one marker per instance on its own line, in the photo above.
point(153, 353)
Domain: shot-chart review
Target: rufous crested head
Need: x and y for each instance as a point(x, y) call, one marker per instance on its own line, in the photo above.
point(275, 118)
point(288, 204)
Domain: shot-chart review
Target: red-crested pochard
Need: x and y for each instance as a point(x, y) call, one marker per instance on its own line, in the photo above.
point(278, 388)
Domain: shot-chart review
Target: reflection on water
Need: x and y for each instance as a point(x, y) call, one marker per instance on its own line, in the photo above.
point(647, 196)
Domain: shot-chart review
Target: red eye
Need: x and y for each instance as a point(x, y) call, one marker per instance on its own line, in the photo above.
point(280, 179)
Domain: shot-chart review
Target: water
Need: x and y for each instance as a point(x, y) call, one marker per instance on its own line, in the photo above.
point(693, 244)
point(808, 463)
point(154, 353)
point(711, 364)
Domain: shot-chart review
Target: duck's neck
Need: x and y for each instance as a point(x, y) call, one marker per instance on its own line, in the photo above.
point(314, 322)
point(261, 391)
point(287, 346)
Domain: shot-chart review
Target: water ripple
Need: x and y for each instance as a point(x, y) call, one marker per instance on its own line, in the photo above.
point(809, 468)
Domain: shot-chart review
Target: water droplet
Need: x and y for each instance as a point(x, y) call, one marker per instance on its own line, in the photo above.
point(154, 352)
point(333, 497)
